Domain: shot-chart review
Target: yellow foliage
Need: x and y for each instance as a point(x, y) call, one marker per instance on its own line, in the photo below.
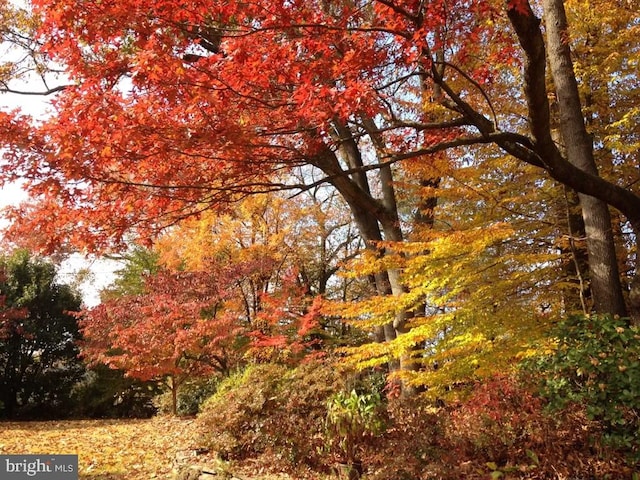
point(605, 42)
point(477, 290)
point(107, 448)
point(255, 229)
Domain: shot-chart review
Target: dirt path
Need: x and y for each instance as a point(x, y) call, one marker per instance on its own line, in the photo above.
point(110, 449)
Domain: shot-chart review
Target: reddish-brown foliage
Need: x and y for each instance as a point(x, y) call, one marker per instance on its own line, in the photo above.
point(273, 413)
point(173, 329)
point(178, 106)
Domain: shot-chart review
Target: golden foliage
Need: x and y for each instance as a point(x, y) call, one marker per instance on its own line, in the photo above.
point(132, 449)
point(120, 449)
point(478, 289)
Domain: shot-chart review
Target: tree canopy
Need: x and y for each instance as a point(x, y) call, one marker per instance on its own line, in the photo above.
point(39, 361)
point(479, 154)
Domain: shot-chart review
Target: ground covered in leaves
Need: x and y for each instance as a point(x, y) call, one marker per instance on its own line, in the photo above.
point(112, 449)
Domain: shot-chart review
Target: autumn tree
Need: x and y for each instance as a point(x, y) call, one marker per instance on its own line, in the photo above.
point(39, 361)
point(172, 330)
point(596, 30)
point(24, 69)
point(139, 264)
point(177, 108)
point(214, 292)
point(286, 254)
point(278, 244)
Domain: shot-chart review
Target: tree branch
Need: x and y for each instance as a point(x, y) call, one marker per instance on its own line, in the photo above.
point(43, 93)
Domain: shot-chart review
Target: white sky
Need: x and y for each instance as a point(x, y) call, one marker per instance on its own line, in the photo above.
point(101, 271)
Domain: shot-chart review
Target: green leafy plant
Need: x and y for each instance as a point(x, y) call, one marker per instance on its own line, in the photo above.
point(108, 393)
point(352, 418)
point(192, 394)
point(597, 364)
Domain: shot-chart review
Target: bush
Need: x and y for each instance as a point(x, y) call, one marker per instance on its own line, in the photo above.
point(503, 430)
point(410, 444)
point(108, 393)
point(597, 364)
point(191, 395)
point(501, 424)
point(272, 410)
point(500, 430)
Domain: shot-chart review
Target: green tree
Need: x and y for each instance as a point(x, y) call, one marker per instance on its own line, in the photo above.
point(139, 263)
point(39, 362)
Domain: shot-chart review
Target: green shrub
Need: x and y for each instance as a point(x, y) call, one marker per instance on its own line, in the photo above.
point(108, 393)
point(191, 395)
point(597, 364)
point(352, 419)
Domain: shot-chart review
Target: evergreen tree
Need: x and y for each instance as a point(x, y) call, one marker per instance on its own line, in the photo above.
point(39, 362)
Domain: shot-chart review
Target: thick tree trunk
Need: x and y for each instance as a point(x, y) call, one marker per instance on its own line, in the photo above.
point(576, 264)
point(603, 266)
point(543, 152)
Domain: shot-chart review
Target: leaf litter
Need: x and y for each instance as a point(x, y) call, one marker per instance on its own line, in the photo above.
point(107, 449)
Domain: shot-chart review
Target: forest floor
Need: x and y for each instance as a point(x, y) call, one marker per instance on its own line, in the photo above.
point(120, 449)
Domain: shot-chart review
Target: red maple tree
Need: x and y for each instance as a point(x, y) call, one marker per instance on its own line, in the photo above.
point(174, 331)
point(180, 106)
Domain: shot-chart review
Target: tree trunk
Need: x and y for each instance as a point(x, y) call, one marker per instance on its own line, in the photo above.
point(577, 267)
point(173, 385)
point(603, 266)
point(376, 220)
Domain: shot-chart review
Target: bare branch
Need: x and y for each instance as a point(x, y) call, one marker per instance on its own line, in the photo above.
point(43, 93)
